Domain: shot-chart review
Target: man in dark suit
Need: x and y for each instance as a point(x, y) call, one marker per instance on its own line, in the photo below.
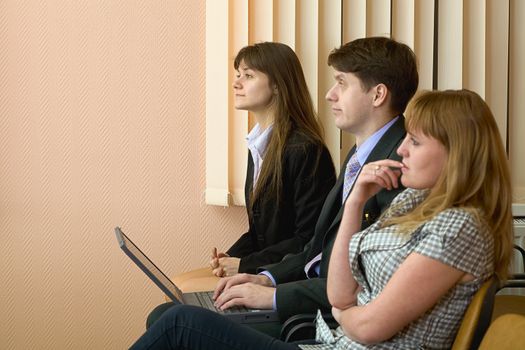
point(374, 80)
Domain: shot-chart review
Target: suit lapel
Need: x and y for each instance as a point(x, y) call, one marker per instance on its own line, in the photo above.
point(383, 149)
point(248, 183)
point(331, 209)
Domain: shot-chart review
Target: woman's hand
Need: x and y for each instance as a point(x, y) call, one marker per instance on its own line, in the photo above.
point(215, 263)
point(227, 267)
point(374, 177)
point(223, 265)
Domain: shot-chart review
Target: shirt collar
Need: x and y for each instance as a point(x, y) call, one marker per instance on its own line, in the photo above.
point(370, 143)
point(258, 139)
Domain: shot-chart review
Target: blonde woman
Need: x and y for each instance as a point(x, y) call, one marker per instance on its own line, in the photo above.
point(406, 281)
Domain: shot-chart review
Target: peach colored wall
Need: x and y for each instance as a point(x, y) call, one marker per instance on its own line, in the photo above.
point(101, 124)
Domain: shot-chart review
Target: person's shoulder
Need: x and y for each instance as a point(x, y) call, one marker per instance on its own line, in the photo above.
point(455, 214)
point(301, 141)
point(453, 221)
point(297, 137)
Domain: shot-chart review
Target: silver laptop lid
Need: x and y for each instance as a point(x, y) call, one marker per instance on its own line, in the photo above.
point(148, 267)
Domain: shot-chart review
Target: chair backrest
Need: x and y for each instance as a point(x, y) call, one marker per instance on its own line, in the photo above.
point(514, 302)
point(505, 333)
point(521, 252)
point(477, 317)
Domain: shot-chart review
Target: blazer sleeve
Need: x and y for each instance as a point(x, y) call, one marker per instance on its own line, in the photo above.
point(242, 247)
point(290, 269)
point(309, 177)
point(302, 297)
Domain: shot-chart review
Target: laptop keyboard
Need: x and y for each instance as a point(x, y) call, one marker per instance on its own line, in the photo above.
point(206, 301)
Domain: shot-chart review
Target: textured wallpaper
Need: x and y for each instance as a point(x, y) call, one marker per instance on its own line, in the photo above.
point(101, 124)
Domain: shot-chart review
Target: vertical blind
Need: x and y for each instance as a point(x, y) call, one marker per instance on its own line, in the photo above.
point(473, 44)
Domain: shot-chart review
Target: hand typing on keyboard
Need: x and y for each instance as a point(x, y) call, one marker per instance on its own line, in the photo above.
point(252, 291)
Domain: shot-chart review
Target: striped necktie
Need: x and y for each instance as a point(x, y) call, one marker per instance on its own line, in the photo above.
point(352, 168)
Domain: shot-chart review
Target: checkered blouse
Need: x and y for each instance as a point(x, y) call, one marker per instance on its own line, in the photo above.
point(453, 237)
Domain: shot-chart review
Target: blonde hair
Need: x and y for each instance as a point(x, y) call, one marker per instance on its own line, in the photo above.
point(476, 176)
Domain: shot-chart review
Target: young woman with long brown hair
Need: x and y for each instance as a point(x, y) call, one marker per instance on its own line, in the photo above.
point(290, 170)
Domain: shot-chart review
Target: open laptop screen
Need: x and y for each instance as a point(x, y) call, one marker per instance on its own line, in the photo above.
point(149, 268)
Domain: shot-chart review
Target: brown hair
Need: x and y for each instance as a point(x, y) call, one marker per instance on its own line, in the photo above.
point(292, 105)
point(476, 176)
point(378, 60)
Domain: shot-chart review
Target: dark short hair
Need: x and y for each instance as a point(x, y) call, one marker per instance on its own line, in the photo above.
point(379, 60)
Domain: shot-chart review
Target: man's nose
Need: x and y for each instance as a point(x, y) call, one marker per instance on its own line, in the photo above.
point(330, 95)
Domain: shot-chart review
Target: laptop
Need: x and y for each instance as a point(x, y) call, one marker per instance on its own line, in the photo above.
point(202, 299)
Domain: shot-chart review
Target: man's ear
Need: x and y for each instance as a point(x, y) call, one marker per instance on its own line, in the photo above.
point(380, 95)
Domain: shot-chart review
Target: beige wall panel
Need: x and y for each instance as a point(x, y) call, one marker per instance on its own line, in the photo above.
point(354, 19)
point(424, 41)
point(307, 43)
point(347, 142)
point(474, 47)
point(217, 130)
point(238, 120)
point(450, 44)
point(260, 20)
point(496, 84)
point(284, 22)
point(403, 21)
point(517, 98)
point(378, 18)
point(354, 27)
point(103, 124)
point(329, 38)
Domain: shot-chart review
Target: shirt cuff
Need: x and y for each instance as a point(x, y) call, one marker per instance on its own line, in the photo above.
point(269, 275)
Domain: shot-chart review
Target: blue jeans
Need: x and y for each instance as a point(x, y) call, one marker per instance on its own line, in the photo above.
point(189, 327)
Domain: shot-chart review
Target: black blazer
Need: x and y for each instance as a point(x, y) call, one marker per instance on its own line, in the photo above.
point(295, 293)
point(277, 229)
